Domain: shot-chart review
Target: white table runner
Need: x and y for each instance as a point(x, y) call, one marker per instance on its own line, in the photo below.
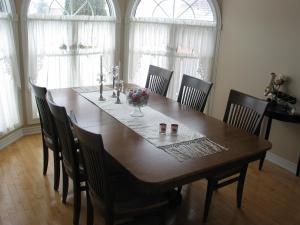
point(187, 144)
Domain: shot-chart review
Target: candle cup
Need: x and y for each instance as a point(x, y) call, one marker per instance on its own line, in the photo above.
point(162, 128)
point(174, 129)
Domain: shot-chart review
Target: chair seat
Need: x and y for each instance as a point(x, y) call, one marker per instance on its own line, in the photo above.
point(128, 201)
point(49, 142)
point(69, 170)
point(226, 173)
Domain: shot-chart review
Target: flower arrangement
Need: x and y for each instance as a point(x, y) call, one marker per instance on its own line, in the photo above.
point(275, 95)
point(275, 83)
point(138, 97)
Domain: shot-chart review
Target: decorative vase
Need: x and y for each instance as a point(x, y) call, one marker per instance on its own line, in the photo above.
point(137, 112)
point(137, 98)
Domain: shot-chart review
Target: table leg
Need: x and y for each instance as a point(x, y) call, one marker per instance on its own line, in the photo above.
point(267, 134)
point(174, 197)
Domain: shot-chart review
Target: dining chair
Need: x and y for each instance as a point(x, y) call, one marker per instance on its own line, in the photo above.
point(71, 161)
point(194, 92)
point(246, 113)
point(158, 80)
point(49, 134)
point(118, 198)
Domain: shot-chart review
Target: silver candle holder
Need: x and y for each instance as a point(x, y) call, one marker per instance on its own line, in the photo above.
point(101, 98)
point(119, 86)
point(115, 74)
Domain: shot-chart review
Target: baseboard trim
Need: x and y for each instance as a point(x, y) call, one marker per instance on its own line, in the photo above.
point(31, 130)
point(17, 134)
point(282, 162)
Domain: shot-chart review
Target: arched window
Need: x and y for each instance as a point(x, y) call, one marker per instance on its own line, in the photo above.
point(66, 39)
point(176, 34)
point(9, 73)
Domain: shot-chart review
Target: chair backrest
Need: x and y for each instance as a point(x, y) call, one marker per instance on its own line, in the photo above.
point(245, 112)
point(194, 92)
point(46, 119)
point(158, 80)
point(92, 151)
point(65, 135)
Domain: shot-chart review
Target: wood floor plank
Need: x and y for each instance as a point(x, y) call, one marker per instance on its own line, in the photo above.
point(271, 196)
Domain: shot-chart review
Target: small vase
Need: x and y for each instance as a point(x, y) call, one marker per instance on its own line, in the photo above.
point(137, 112)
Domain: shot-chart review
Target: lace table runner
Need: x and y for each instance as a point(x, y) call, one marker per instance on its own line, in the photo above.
point(187, 144)
point(89, 89)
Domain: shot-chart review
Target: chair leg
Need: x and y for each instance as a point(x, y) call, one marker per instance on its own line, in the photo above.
point(90, 210)
point(163, 216)
point(77, 202)
point(261, 162)
point(179, 189)
point(109, 219)
point(240, 186)
point(65, 186)
point(56, 169)
point(46, 157)
point(298, 168)
point(209, 193)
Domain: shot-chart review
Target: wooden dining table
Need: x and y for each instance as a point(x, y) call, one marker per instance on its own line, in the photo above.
point(152, 168)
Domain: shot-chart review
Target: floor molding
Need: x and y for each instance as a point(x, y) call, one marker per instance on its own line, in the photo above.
point(17, 134)
point(31, 130)
point(282, 162)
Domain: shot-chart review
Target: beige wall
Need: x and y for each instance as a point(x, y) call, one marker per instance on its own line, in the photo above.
point(258, 37)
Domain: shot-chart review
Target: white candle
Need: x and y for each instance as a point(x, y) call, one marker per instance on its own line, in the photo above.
point(101, 65)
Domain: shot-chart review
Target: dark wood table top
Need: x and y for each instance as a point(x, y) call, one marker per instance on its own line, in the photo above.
point(150, 165)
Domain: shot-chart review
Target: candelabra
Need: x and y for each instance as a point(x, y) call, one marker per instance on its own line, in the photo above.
point(115, 74)
point(119, 85)
point(101, 98)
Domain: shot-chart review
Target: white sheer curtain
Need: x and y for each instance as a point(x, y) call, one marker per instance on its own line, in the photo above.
point(186, 47)
point(65, 51)
point(9, 78)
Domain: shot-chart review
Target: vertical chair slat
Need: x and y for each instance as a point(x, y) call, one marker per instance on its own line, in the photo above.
point(158, 80)
point(190, 93)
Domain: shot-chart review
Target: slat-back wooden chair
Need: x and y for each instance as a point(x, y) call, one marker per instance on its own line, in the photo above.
point(72, 166)
point(158, 80)
point(116, 198)
point(245, 112)
point(49, 135)
point(194, 92)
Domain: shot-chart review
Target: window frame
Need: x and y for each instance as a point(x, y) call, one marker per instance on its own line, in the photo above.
point(110, 4)
point(133, 5)
point(9, 6)
point(11, 12)
point(24, 31)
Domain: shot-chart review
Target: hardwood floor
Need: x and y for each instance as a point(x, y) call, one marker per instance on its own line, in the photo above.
point(27, 197)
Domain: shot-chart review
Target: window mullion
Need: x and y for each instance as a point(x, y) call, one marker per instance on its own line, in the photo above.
point(74, 67)
point(172, 42)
